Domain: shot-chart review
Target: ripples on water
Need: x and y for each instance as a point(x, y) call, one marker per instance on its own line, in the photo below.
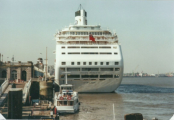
point(133, 88)
point(153, 97)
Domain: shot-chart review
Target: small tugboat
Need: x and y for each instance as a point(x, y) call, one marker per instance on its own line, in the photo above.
point(66, 100)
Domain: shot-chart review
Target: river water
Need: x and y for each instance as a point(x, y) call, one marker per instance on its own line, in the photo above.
point(151, 96)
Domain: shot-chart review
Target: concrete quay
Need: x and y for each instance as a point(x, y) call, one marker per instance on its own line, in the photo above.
point(30, 112)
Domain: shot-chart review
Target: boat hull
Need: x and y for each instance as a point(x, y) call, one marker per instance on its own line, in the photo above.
point(67, 109)
point(97, 86)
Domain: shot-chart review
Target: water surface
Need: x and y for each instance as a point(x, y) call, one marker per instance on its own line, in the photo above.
point(153, 97)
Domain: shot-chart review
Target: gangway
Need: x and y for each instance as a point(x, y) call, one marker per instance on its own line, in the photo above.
point(6, 85)
point(26, 91)
point(4, 88)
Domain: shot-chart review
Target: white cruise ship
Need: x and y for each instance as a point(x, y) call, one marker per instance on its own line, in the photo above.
point(90, 66)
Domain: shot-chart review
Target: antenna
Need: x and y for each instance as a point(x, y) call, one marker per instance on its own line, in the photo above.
point(80, 7)
point(46, 66)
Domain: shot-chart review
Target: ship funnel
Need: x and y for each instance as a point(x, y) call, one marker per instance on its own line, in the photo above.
point(81, 16)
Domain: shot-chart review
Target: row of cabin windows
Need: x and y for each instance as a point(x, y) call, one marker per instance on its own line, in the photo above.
point(65, 103)
point(90, 76)
point(90, 63)
point(76, 47)
point(87, 53)
point(90, 69)
point(88, 33)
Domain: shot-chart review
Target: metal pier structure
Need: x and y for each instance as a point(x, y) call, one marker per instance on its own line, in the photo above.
point(4, 88)
point(7, 85)
point(26, 91)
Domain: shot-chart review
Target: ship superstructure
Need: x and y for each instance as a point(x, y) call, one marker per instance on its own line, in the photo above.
point(90, 66)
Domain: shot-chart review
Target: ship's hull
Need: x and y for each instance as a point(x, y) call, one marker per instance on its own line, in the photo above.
point(97, 86)
point(105, 77)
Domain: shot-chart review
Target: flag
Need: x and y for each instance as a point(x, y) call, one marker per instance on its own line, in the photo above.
point(91, 38)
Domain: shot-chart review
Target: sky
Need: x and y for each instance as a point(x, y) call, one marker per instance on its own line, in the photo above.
point(145, 29)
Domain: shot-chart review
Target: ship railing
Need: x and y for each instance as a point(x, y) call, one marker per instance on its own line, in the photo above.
point(71, 35)
point(16, 63)
point(26, 90)
point(4, 86)
point(87, 39)
point(88, 44)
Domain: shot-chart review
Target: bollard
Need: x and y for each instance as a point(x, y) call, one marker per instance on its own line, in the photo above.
point(133, 116)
